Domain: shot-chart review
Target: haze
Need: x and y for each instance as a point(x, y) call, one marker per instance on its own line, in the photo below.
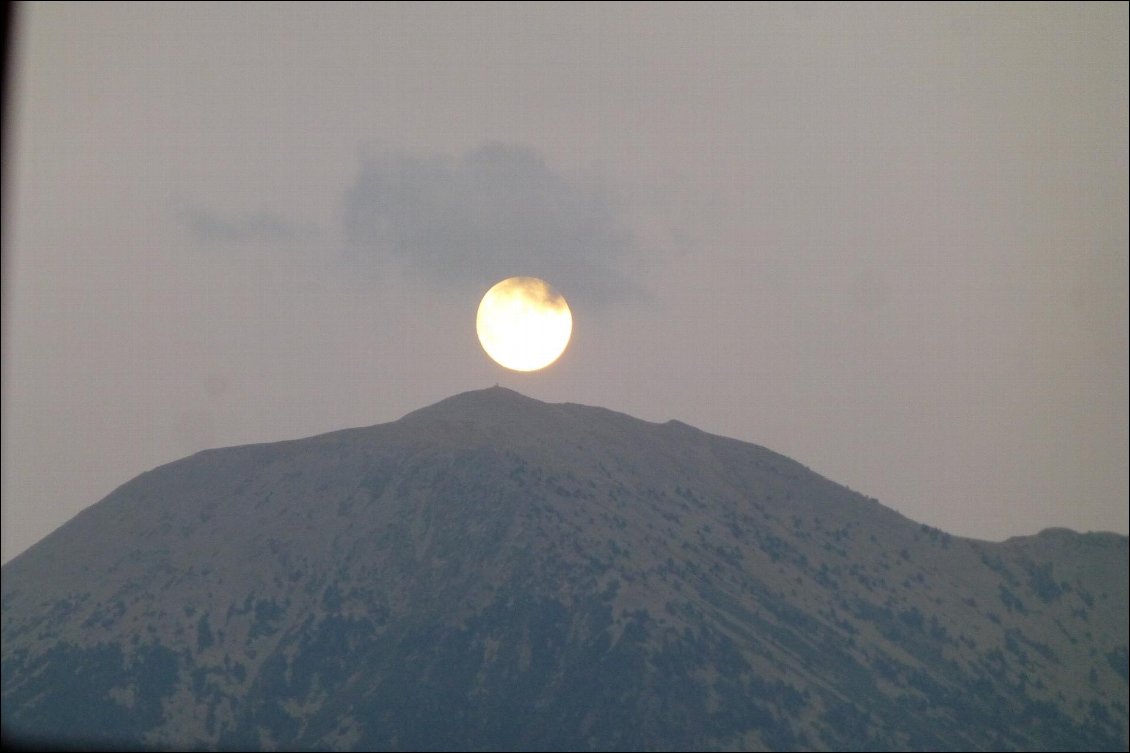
point(887, 241)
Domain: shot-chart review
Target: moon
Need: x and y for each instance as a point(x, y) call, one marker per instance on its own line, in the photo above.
point(523, 323)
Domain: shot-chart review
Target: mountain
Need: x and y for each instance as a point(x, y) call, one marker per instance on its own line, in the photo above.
point(494, 572)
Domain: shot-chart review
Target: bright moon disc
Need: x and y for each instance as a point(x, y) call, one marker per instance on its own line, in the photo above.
point(523, 323)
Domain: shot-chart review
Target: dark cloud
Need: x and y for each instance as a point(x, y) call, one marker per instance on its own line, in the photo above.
point(209, 228)
point(497, 212)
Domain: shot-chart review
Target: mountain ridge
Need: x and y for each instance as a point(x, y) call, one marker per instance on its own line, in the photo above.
point(551, 576)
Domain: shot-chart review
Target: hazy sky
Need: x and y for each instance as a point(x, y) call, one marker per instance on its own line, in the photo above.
point(888, 241)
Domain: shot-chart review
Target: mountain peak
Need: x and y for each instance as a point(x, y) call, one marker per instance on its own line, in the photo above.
point(493, 401)
point(493, 571)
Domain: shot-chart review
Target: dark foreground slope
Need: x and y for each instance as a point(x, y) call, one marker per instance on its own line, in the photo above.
point(493, 572)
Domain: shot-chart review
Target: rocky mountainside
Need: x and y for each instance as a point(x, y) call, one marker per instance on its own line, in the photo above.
point(493, 572)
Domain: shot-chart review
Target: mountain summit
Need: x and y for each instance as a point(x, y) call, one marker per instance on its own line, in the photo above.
point(494, 572)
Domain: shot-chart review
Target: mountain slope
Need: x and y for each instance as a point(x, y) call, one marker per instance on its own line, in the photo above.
point(496, 572)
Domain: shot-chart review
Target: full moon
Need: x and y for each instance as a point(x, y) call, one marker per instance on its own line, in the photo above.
point(523, 323)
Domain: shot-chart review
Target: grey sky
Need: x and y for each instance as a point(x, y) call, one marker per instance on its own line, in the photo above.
point(889, 241)
point(210, 228)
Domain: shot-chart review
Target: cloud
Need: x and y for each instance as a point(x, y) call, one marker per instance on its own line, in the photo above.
point(210, 228)
point(499, 211)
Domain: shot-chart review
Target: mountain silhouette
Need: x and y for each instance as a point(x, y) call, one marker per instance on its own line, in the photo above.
point(494, 572)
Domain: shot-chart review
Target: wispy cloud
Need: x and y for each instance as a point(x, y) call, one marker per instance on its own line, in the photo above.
point(210, 228)
point(498, 211)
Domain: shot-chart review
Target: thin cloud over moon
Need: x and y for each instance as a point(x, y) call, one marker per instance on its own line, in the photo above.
point(497, 211)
